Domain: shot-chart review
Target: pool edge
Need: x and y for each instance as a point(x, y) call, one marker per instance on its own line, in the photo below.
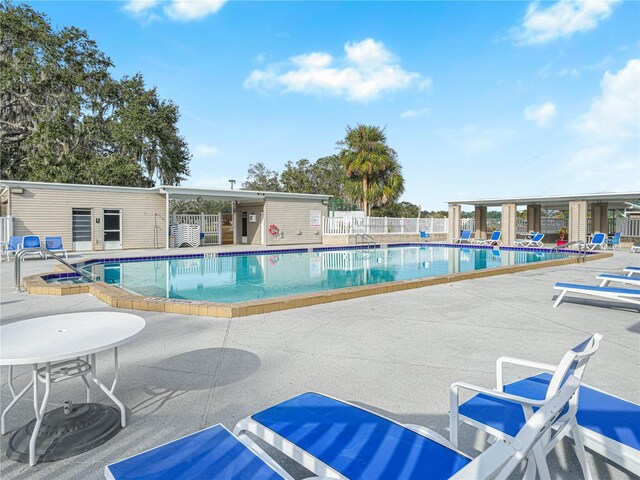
point(119, 298)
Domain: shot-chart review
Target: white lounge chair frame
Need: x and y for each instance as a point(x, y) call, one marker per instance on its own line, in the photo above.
point(529, 242)
point(626, 279)
point(604, 292)
point(631, 270)
point(601, 245)
point(572, 362)
point(498, 461)
point(489, 241)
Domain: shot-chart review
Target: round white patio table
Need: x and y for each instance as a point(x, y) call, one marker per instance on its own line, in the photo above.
point(58, 343)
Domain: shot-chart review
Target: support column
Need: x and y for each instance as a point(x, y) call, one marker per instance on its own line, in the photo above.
point(455, 213)
point(577, 221)
point(600, 217)
point(508, 223)
point(534, 218)
point(481, 222)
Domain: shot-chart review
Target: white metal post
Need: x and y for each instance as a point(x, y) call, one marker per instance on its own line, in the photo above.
point(166, 233)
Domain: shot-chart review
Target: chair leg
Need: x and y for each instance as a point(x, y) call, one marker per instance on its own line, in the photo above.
point(541, 462)
point(580, 451)
point(559, 299)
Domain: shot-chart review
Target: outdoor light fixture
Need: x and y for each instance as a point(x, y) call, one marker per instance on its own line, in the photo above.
point(232, 182)
point(17, 191)
point(199, 199)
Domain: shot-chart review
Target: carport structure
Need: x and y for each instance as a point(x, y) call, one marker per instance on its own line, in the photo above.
point(580, 208)
point(260, 217)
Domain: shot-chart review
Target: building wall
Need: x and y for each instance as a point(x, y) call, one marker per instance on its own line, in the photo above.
point(254, 231)
point(47, 212)
point(292, 218)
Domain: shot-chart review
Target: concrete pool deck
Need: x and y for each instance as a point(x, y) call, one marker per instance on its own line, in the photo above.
point(396, 352)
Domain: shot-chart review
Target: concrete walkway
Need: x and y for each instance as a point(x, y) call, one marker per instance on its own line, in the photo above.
point(396, 353)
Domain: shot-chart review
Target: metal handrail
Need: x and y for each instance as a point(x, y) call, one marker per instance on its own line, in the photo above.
point(367, 240)
point(582, 249)
point(17, 274)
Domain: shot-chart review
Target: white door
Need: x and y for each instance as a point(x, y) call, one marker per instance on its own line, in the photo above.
point(112, 227)
point(245, 227)
point(81, 229)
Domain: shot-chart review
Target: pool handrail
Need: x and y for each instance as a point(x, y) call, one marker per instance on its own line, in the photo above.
point(26, 251)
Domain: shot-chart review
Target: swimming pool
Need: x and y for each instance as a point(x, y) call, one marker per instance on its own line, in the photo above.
point(246, 277)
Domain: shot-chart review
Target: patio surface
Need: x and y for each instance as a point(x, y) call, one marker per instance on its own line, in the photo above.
point(396, 353)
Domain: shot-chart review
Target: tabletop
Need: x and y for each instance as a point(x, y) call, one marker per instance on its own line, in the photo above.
point(62, 337)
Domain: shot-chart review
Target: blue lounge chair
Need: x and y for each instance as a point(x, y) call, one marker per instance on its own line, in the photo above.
point(424, 236)
point(631, 270)
point(465, 237)
point(494, 240)
point(501, 413)
point(635, 248)
point(607, 278)
point(54, 244)
point(13, 246)
point(620, 294)
point(336, 439)
point(614, 241)
point(31, 241)
point(535, 241)
point(599, 240)
point(211, 454)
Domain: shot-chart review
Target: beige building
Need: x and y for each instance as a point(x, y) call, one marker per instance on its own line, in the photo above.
point(93, 217)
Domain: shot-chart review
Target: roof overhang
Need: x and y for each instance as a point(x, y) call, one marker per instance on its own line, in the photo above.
point(615, 200)
point(177, 193)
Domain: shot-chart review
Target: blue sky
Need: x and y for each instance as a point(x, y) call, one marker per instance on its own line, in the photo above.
point(479, 99)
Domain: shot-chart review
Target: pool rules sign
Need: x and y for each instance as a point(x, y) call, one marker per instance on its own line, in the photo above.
point(315, 218)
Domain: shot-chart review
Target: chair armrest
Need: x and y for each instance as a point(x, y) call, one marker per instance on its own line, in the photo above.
point(548, 367)
point(456, 387)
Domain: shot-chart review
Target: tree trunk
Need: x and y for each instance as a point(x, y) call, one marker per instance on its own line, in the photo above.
point(365, 201)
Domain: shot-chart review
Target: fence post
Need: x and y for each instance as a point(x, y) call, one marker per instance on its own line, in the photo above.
point(402, 225)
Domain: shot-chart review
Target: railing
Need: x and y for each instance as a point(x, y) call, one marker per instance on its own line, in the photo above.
point(582, 249)
point(381, 225)
point(18, 276)
point(364, 239)
point(628, 227)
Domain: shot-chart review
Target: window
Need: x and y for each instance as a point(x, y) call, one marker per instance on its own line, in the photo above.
point(81, 225)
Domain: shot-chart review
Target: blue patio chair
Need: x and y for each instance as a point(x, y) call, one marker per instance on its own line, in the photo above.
point(31, 241)
point(502, 413)
point(13, 246)
point(424, 235)
point(54, 244)
point(465, 237)
point(614, 242)
point(493, 240)
point(599, 240)
point(535, 241)
point(336, 439)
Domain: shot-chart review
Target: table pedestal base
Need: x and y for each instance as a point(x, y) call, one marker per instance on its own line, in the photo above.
point(63, 435)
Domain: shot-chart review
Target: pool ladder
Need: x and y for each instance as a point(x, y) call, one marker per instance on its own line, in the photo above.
point(18, 277)
point(582, 249)
point(364, 239)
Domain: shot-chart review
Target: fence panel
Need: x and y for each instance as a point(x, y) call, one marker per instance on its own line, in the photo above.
point(209, 225)
point(628, 227)
point(6, 228)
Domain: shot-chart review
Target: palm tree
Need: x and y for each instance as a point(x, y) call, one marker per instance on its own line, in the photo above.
point(375, 176)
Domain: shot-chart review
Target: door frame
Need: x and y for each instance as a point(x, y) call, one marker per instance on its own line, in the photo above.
point(111, 245)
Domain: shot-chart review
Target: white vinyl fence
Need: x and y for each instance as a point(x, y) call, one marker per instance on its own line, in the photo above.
point(628, 227)
point(373, 225)
point(209, 225)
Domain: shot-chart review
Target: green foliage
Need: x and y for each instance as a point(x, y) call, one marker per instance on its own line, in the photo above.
point(259, 177)
point(326, 176)
point(206, 206)
point(65, 119)
point(373, 172)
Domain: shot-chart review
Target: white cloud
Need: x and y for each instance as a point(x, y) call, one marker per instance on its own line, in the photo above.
point(367, 70)
point(205, 151)
point(561, 19)
point(615, 114)
point(541, 115)
point(192, 9)
point(569, 72)
point(181, 10)
point(415, 113)
point(474, 141)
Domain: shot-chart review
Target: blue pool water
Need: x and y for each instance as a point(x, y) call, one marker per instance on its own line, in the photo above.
point(250, 277)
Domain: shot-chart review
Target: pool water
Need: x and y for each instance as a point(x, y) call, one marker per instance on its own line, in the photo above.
point(249, 277)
